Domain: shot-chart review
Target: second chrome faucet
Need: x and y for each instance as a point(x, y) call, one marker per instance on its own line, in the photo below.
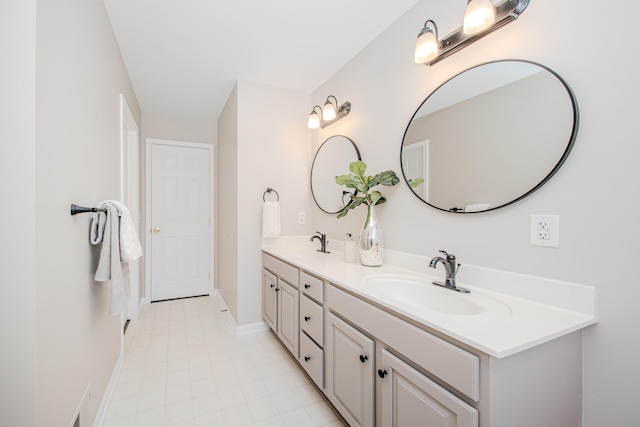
point(451, 268)
point(323, 241)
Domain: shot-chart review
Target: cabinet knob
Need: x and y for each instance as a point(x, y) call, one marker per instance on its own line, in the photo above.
point(363, 358)
point(156, 230)
point(277, 289)
point(382, 373)
point(307, 358)
point(273, 286)
point(307, 286)
point(307, 318)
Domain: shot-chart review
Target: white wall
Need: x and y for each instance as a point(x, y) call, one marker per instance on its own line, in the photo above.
point(273, 150)
point(17, 185)
point(595, 192)
point(79, 78)
point(227, 204)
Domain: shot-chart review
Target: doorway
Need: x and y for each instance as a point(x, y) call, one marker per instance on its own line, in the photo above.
point(179, 211)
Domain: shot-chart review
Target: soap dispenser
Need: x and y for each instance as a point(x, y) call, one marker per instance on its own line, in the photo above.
point(349, 249)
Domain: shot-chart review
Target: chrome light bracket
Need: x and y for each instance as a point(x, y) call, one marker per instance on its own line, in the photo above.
point(506, 12)
point(341, 112)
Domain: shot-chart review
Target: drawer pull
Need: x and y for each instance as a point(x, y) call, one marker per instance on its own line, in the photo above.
point(307, 286)
point(382, 373)
point(307, 358)
point(307, 318)
point(363, 358)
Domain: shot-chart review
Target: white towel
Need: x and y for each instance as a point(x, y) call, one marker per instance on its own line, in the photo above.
point(479, 207)
point(271, 219)
point(120, 244)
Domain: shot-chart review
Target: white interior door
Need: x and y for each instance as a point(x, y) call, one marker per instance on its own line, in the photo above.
point(415, 164)
point(180, 193)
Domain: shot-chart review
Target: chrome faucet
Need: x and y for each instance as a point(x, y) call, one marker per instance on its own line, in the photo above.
point(323, 241)
point(451, 268)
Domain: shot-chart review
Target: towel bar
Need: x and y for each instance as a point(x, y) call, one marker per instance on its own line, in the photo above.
point(75, 209)
point(269, 190)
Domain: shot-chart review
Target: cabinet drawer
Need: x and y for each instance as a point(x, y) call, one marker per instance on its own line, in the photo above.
point(312, 319)
point(312, 359)
point(281, 269)
point(312, 286)
point(455, 366)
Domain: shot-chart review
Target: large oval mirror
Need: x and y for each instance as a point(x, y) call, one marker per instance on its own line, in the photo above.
point(489, 136)
point(332, 159)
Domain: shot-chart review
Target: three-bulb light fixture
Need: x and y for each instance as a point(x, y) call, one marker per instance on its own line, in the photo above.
point(481, 17)
point(330, 113)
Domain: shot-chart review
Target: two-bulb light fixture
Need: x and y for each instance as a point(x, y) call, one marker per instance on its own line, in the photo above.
point(481, 18)
point(330, 113)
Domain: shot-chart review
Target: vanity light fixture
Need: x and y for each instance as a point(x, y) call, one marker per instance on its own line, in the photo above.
point(479, 15)
point(314, 118)
point(427, 46)
point(329, 114)
point(481, 18)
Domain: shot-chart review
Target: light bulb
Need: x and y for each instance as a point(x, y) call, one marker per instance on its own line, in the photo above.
point(479, 15)
point(314, 120)
point(426, 46)
point(328, 111)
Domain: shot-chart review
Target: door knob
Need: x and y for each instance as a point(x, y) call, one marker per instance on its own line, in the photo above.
point(156, 230)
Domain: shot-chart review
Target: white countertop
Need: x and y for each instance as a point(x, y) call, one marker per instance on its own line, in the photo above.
point(520, 311)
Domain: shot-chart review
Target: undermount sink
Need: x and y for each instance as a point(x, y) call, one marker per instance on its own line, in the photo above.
point(418, 292)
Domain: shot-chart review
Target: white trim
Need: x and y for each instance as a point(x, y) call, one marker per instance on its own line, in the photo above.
point(106, 399)
point(147, 226)
point(251, 328)
point(130, 191)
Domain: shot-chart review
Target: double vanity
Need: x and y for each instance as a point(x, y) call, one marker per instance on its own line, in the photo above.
point(387, 348)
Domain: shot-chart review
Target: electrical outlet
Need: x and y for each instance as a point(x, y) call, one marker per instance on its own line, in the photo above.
point(545, 230)
point(301, 218)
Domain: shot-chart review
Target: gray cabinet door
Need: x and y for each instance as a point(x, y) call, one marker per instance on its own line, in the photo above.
point(269, 300)
point(410, 399)
point(350, 368)
point(288, 326)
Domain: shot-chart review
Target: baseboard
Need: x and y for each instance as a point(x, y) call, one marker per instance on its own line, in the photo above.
point(251, 328)
point(106, 399)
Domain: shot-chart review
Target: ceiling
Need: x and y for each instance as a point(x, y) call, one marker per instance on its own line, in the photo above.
point(184, 56)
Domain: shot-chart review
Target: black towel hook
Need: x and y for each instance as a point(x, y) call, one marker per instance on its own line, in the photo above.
point(75, 209)
point(269, 190)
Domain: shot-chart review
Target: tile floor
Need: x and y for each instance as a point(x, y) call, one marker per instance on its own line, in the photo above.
point(183, 366)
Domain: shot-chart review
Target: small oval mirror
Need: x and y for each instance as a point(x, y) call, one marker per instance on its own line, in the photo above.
point(332, 158)
point(490, 136)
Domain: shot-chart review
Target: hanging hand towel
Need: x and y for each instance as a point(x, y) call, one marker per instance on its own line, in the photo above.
point(120, 244)
point(271, 219)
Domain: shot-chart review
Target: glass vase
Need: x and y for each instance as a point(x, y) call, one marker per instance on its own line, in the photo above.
point(371, 240)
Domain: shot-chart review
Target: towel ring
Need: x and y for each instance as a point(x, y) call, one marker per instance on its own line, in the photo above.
point(269, 190)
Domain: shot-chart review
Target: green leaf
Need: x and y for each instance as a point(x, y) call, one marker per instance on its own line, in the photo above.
point(358, 168)
point(388, 178)
point(381, 201)
point(415, 182)
point(355, 202)
point(375, 196)
point(351, 181)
